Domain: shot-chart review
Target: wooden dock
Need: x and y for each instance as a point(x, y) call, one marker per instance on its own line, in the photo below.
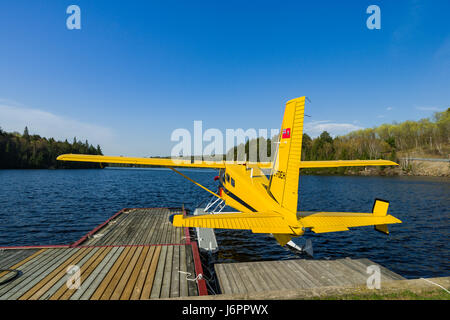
point(266, 276)
point(136, 254)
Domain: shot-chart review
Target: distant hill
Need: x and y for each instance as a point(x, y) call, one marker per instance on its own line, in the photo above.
point(424, 138)
point(25, 151)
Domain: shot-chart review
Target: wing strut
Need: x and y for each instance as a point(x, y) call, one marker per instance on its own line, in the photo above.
point(195, 182)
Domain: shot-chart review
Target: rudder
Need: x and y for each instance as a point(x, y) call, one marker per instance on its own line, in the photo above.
point(285, 172)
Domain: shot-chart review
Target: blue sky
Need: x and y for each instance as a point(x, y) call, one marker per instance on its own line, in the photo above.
point(137, 70)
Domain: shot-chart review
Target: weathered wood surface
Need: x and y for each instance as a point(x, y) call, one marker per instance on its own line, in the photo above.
point(137, 255)
point(251, 277)
point(10, 257)
point(138, 226)
point(118, 273)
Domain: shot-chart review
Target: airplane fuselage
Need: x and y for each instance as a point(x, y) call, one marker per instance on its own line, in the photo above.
point(246, 189)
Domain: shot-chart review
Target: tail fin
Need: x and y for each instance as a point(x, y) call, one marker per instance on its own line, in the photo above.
point(380, 208)
point(285, 173)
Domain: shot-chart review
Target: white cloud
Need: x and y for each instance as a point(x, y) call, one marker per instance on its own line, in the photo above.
point(389, 108)
point(14, 117)
point(315, 128)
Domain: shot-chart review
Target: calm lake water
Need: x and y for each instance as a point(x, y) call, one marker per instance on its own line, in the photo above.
point(60, 206)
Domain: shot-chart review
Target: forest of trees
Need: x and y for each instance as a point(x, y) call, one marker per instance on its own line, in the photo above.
point(25, 151)
point(426, 137)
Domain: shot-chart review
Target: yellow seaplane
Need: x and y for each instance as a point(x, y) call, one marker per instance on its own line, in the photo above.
point(267, 204)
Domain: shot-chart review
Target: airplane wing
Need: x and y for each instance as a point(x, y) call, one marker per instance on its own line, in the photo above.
point(212, 164)
point(346, 163)
point(334, 163)
point(142, 161)
point(257, 222)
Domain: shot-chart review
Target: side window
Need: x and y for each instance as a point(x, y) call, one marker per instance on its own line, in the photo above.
point(232, 182)
point(227, 177)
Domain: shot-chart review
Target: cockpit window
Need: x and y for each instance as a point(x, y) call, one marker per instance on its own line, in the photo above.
point(232, 182)
point(227, 176)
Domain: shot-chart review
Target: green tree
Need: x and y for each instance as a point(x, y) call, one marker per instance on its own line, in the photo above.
point(26, 134)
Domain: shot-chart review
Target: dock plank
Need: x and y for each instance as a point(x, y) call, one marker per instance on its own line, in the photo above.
point(110, 289)
point(61, 286)
point(10, 257)
point(136, 255)
point(273, 276)
point(138, 227)
point(175, 281)
point(192, 287)
point(98, 293)
point(143, 274)
point(150, 278)
point(183, 267)
point(34, 277)
point(86, 270)
point(30, 271)
point(159, 274)
point(389, 274)
point(126, 274)
point(253, 277)
point(167, 274)
point(92, 281)
point(21, 262)
point(40, 288)
point(128, 290)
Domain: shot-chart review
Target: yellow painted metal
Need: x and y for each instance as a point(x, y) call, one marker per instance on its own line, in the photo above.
point(258, 222)
point(339, 221)
point(383, 228)
point(267, 206)
point(380, 208)
point(142, 161)
point(346, 163)
point(216, 165)
point(282, 238)
point(283, 184)
point(335, 163)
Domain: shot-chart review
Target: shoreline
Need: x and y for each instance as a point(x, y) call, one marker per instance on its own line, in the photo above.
point(436, 169)
point(411, 168)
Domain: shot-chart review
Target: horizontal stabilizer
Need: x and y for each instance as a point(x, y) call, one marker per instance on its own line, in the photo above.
point(257, 222)
point(322, 222)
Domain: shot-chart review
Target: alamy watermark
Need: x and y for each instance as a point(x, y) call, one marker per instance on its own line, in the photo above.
point(74, 277)
point(374, 280)
point(374, 20)
point(213, 145)
point(73, 22)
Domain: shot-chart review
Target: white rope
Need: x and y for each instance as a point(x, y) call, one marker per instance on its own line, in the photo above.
point(187, 238)
point(199, 277)
point(99, 235)
point(436, 285)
